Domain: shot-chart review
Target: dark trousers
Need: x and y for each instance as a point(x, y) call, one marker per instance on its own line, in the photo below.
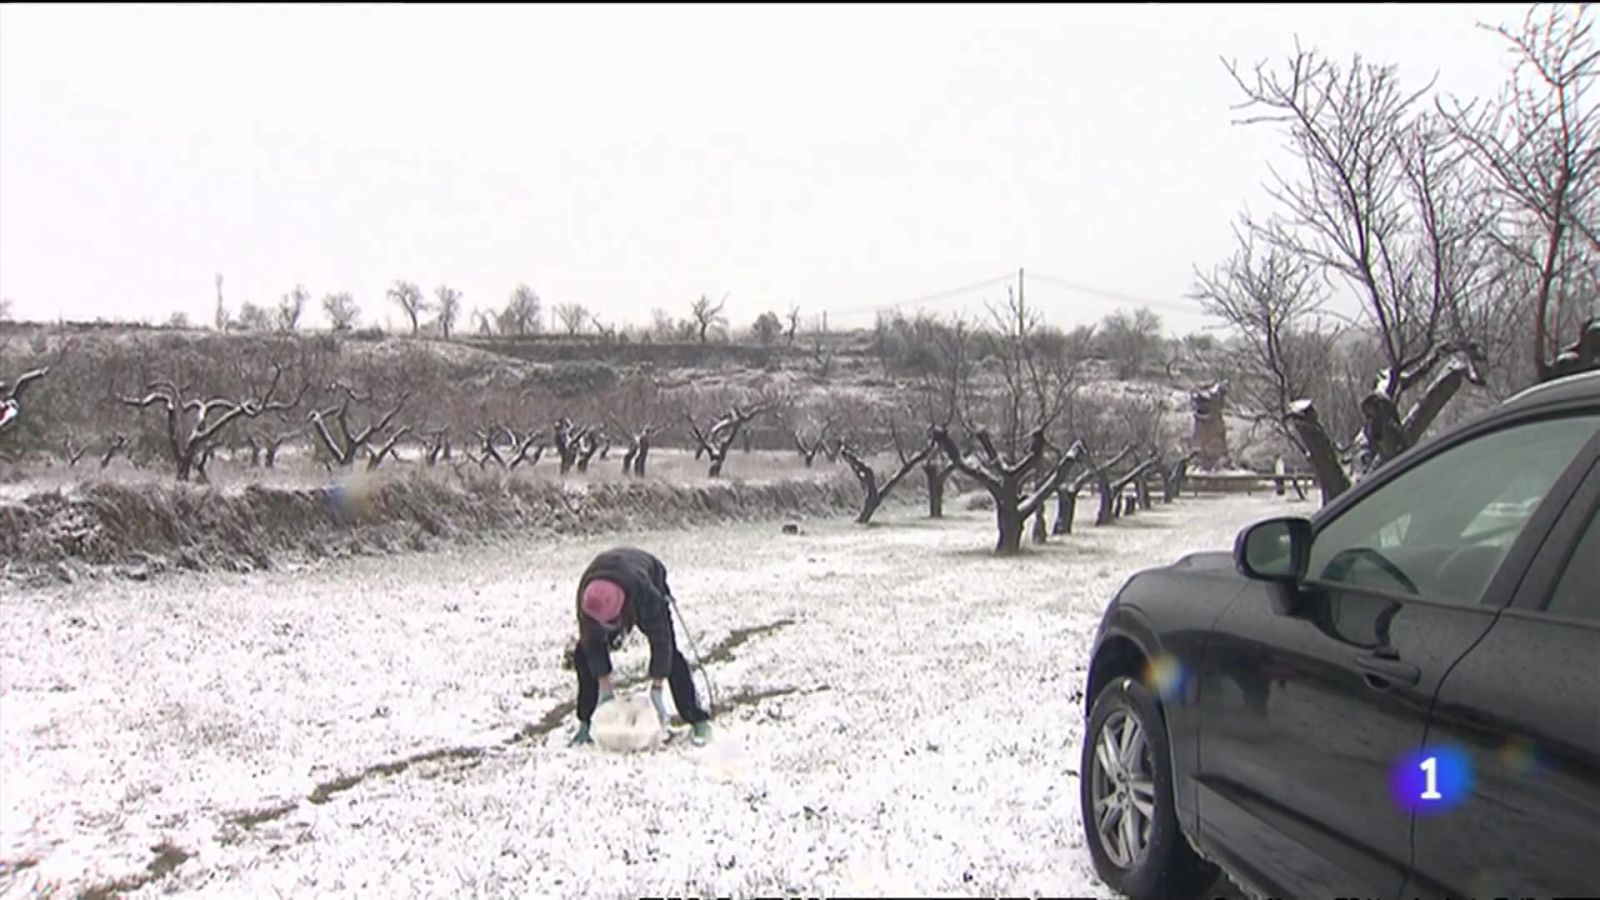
point(679, 679)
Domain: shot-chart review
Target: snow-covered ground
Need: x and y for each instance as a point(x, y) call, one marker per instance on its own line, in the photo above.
point(903, 716)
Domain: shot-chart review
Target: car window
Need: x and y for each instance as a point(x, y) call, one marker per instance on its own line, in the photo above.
point(1442, 529)
point(1578, 591)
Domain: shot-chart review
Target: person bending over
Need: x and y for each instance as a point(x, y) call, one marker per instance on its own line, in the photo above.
point(624, 588)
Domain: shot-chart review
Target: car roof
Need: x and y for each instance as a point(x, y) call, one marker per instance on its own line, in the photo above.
point(1578, 386)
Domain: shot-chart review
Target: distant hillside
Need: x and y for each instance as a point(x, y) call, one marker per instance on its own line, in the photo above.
point(472, 381)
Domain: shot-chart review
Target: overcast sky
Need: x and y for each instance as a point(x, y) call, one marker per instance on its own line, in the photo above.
point(838, 158)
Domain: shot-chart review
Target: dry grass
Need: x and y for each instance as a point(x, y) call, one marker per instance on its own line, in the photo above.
point(140, 527)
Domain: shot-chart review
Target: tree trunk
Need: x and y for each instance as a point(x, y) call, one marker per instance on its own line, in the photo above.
point(639, 460)
point(1103, 485)
point(870, 500)
point(627, 459)
point(1066, 508)
point(1008, 520)
point(936, 476)
point(1320, 451)
point(1039, 524)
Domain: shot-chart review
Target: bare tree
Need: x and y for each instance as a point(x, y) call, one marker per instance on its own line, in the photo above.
point(518, 448)
point(1540, 143)
point(194, 426)
point(708, 316)
point(291, 306)
point(794, 326)
point(572, 317)
point(822, 355)
point(11, 396)
point(1038, 382)
point(345, 442)
point(1384, 206)
point(341, 310)
point(264, 444)
point(72, 450)
point(116, 443)
point(523, 313)
point(716, 439)
point(1131, 340)
point(221, 318)
point(766, 329)
point(411, 301)
point(449, 306)
point(1286, 345)
point(809, 435)
point(875, 490)
point(255, 318)
point(636, 412)
point(436, 444)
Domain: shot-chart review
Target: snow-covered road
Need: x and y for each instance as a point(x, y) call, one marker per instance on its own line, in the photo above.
point(901, 715)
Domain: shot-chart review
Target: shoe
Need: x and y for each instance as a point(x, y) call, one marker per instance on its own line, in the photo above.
point(701, 733)
point(582, 737)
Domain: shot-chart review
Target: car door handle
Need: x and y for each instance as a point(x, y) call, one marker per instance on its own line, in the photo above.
point(1384, 669)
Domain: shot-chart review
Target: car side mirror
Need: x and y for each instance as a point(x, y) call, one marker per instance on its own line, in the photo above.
point(1276, 550)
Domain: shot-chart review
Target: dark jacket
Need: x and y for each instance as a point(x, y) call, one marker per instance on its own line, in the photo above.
point(643, 579)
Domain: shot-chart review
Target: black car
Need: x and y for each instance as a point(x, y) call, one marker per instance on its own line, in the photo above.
point(1399, 696)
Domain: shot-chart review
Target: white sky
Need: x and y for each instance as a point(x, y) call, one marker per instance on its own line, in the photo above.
point(836, 157)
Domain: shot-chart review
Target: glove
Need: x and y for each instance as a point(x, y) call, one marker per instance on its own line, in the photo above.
point(659, 704)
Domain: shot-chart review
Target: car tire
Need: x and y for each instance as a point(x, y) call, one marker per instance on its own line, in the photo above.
point(1144, 856)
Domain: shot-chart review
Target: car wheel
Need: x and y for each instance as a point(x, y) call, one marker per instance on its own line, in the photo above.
point(1129, 819)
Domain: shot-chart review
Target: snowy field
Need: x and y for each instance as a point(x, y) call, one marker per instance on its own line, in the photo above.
point(900, 714)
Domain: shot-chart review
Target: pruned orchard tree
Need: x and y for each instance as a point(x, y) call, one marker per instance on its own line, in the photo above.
point(637, 413)
point(1097, 472)
point(876, 489)
point(718, 436)
point(436, 444)
point(344, 441)
point(264, 441)
point(508, 448)
point(1539, 143)
point(942, 383)
point(1038, 380)
point(11, 396)
point(810, 430)
point(1383, 205)
point(194, 425)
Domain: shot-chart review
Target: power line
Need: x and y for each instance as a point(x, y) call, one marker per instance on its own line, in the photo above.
point(1006, 278)
point(1112, 295)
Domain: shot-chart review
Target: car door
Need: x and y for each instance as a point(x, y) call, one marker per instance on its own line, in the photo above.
point(1522, 710)
point(1306, 713)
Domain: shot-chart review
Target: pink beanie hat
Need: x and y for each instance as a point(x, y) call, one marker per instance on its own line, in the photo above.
point(602, 600)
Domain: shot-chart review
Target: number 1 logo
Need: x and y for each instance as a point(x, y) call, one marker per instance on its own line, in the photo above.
point(1433, 780)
